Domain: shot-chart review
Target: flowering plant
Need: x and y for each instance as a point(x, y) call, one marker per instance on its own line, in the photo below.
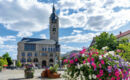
point(96, 65)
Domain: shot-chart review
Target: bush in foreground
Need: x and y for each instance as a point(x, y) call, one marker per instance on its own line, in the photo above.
point(94, 65)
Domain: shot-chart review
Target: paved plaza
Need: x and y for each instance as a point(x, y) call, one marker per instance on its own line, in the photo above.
point(19, 75)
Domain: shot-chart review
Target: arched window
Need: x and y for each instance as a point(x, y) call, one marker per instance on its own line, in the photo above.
point(51, 55)
point(35, 60)
point(30, 54)
point(23, 60)
point(23, 54)
point(29, 60)
point(36, 54)
point(51, 60)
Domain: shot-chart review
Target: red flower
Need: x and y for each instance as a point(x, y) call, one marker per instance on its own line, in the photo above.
point(102, 61)
point(76, 59)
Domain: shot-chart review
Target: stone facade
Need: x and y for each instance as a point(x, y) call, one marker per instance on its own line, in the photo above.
point(41, 52)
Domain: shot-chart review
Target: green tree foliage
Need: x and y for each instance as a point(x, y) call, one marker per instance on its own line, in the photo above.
point(3, 62)
point(123, 41)
point(106, 39)
point(125, 51)
point(18, 64)
point(8, 58)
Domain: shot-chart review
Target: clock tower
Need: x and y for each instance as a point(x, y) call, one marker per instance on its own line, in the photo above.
point(54, 25)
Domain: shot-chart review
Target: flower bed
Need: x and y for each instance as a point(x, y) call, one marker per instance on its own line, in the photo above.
point(96, 65)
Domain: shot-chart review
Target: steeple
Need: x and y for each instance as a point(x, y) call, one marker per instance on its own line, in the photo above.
point(54, 24)
point(53, 9)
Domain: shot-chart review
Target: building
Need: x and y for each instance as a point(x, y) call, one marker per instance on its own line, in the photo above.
point(124, 35)
point(41, 52)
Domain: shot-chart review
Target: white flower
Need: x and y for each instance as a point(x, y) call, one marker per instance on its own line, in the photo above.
point(90, 77)
point(88, 64)
point(94, 76)
point(83, 55)
point(104, 48)
point(112, 53)
point(100, 57)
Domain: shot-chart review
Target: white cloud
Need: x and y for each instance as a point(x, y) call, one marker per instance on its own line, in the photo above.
point(69, 48)
point(78, 38)
point(76, 31)
point(24, 16)
point(7, 38)
point(8, 48)
point(24, 34)
point(43, 36)
point(96, 15)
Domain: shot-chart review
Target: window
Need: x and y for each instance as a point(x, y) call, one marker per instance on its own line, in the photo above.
point(43, 54)
point(29, 60)
point(23, 54)
point(29, 54)
point(44, 49)
point(29, 47)
point(36, 54)
point(49, 49)
point(51, 60)
point(54, 29)
point(51, 55)
point(23, 60)
point(35, 60)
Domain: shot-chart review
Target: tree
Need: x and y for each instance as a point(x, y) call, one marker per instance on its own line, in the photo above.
point(8, 58)
point(3, 62)
point(106, 39)
point(125, 51)
point(18, 64)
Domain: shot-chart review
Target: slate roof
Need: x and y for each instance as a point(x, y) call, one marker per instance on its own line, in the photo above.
point(38, 41)
point(123, 34)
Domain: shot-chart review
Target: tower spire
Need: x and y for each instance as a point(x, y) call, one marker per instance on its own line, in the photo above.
point(53, 9)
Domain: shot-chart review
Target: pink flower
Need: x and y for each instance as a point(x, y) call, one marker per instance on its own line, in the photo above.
point(71, 61)
point(98, 76)
point(84, 62)
point(102, 61)
point(76, 59)
point(117, 73)
point(109, 67)
point(65, 61)
point(101, 72)
point(88, 60)
point(97, 53)
point(112, 78)
point(102, 55)
point(109, 74)
point(81, 52)
point(118, 50)
point(100, 66)
point(94, 65)
point(92, 59)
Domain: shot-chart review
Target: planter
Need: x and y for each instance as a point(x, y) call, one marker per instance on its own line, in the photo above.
point(54, 75)
point(0, 68)
point(29, 73)
point(48, 74)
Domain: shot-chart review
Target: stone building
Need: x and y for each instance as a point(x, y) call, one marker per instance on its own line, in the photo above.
point(41, 52)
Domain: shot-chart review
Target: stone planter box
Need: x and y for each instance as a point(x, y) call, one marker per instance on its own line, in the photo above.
point(49, 74)
point(29, 73)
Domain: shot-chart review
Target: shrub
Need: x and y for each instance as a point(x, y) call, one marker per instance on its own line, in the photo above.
point(94, 65)
point(54, 69)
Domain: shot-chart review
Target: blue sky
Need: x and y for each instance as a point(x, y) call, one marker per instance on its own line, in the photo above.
point(80, 21)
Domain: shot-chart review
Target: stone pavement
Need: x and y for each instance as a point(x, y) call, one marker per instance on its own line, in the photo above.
point(19, 75)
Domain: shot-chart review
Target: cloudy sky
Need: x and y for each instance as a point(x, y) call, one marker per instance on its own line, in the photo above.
point(80, 21)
